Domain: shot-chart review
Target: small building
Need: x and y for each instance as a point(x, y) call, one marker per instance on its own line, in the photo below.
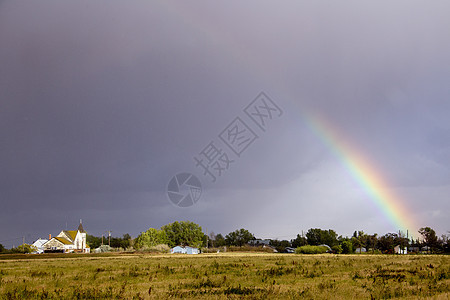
point(289, 250)
point(425, 249)
point(258, 242)
point(400, 250)
point(360, 250)
point(184, 250)
point(414, 249)
point(191, 250)
point(39, 245)
point(178, 249)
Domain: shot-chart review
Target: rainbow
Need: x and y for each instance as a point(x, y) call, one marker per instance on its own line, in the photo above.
point(364, 172)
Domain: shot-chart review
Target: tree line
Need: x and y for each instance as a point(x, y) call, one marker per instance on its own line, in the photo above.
point(186, 233)
point(190, 234)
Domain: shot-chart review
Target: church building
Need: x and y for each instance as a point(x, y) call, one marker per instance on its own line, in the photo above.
point(68, 241)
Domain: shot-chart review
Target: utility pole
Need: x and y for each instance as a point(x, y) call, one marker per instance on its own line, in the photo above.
point(109, 237)
point(206, 237)
point(102, 239)
point(23, 243)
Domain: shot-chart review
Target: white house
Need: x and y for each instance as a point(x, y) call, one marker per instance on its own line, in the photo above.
point(399, 250)
point(191, 250)
point(39, 244)
point(177, 249)
point(184, 250)
point(259, 242)
point(68, 241)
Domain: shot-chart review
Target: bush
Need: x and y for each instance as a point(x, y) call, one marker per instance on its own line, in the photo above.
point(337, 249)
point(347, 247)
point(311, 250)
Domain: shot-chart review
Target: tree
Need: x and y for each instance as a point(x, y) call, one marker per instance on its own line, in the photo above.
point(337, 249)
point(211, 239)
point(184, 233)
point(219, 241)
point(347, 247)
point(429, 237)
point(446, 243)
point(356, 242)
point(318, 236)
point(299, 241)
point(24, 248)
point(151, 238)
point(360, 239)
point(2, 248)
point(123, 242)
point(387, 242)
point(126, 241)
point(280, 245)
point(239, 237)
point(93, 241)
point(372, 242)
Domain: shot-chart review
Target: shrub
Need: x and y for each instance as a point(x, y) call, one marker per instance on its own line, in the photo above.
point(347, 247)
point(337, 249)
point(311, 250)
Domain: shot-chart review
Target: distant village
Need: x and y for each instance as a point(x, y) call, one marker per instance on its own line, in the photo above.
point(188, 238)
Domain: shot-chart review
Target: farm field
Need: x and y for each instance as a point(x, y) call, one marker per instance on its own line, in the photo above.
point(224, 276)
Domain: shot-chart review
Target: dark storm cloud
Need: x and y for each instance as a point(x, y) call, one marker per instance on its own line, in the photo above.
point(101, 105)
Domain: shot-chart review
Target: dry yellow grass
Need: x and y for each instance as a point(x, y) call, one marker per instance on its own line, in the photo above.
point(225, 276)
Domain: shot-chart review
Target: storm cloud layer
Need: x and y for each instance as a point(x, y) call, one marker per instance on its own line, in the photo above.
point(101, 104)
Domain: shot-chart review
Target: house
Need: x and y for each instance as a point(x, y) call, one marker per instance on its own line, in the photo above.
point(38, 244)
point(177, 249)
point(68, 241)
point(400, 250)
point(425, 249)
point(191, 250)
point(360, 250)
point(259, 242)
point(414, 249)
point(184, 250)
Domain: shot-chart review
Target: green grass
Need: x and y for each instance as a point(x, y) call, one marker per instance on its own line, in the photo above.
point(224, 276)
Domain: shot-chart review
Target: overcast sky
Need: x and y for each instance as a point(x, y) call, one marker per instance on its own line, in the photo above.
point(102, 103)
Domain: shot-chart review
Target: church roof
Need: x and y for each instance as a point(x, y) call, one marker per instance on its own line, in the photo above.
point(71, 233)
point(63, 240)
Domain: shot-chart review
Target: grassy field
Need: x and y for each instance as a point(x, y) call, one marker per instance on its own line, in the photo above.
point(224, 276)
